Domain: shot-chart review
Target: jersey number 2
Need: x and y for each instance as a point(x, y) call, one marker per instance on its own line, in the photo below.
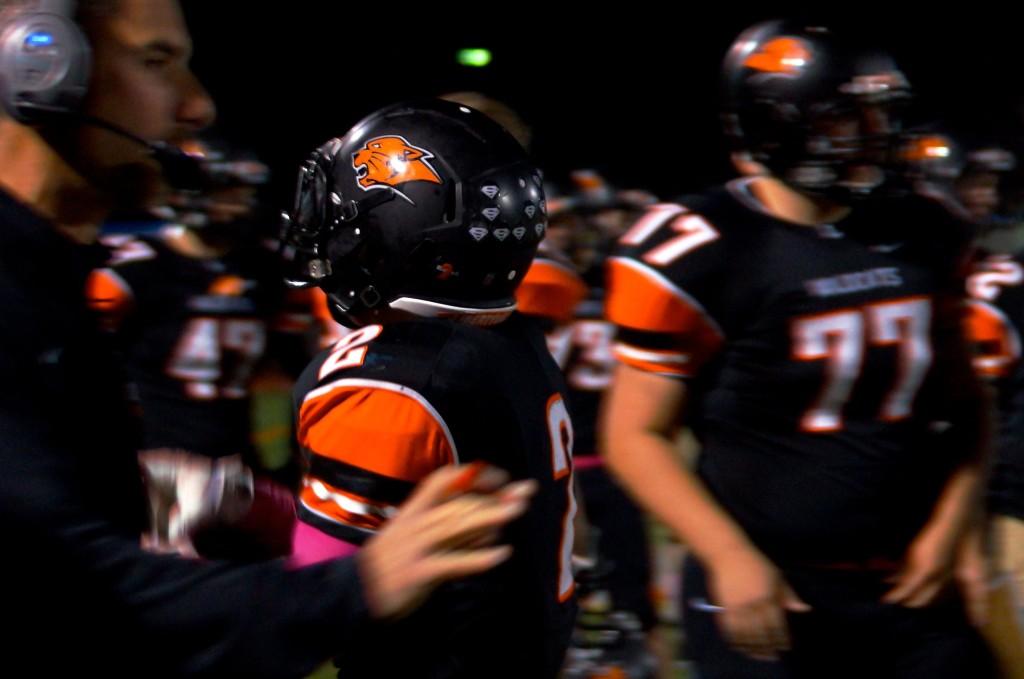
point(560, 429)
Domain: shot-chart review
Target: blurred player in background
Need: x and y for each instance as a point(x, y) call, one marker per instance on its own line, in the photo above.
point(564, 288)
point(192, 306)
point(809, 334)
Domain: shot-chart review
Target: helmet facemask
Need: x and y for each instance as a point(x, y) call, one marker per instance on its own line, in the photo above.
point(817, 113)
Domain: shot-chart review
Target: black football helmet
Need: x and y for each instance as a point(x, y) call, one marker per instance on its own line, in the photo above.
point(427, 207)
point(967, 176)
point(587, 220)
point(931, 156)
point(789, 89)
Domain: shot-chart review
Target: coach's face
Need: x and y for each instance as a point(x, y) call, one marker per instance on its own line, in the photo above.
point(141, 82)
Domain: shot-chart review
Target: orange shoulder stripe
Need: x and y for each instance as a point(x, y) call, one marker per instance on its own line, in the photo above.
point(378, 426)
point(551, 290)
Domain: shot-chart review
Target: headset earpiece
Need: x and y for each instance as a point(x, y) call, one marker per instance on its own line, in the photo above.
point(45, 62)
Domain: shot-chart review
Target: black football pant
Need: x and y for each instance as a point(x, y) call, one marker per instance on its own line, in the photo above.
point(849, 634)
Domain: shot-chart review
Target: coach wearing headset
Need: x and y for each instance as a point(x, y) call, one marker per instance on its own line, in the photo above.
point(77, 588)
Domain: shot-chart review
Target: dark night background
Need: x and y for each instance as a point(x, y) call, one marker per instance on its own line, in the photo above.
point(630, 90)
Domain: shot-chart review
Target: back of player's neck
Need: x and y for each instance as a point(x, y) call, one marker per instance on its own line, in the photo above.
point(783, 202)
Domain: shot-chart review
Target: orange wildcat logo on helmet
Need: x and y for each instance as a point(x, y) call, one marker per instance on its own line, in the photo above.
point(781, 56)
point(389, 161)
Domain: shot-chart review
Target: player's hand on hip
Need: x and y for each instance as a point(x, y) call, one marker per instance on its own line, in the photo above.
point(444, 531)
point(927, 569)
point(754, 599)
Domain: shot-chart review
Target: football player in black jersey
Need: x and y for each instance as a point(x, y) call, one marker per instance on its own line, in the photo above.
point(616, 576)
point(419, 224)
point(994, 321)
point(995, 326)
point(585, 222)
point(972, 179)
point(811, 334)
point(191, 306)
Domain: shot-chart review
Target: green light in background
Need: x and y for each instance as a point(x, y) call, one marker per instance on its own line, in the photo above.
point(476, 57)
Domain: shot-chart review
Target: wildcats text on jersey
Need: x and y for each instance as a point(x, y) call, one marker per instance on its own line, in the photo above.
point(797, 344)
point(857, 281)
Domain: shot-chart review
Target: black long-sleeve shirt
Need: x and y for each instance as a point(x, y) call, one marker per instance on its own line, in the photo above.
point(79, 594)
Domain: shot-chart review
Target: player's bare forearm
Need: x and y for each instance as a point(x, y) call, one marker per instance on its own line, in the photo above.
point(959, 503)
point(639, 423)
point(649, 468)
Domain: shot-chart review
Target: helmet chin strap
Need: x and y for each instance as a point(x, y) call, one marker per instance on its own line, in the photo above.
point(317, 265)
point(352, 209)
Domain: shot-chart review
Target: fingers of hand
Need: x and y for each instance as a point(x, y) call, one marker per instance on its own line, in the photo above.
point(758, 630)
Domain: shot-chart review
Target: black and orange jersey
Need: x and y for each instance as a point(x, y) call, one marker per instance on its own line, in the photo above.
point(192, 331)
point(551, 288)
point(995, 314)
point(582, 348)
point(995, 321)
point(578, 337)
point(580, 341)
point(384, 407)
point(815, 373)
